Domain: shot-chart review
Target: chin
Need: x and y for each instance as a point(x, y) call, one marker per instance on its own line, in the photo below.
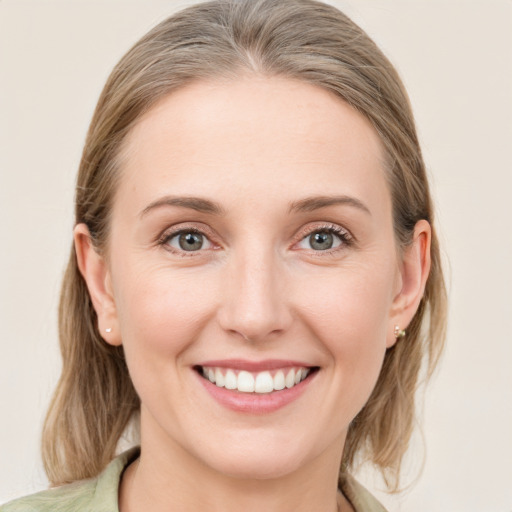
point(259, 461)
point(258, 468)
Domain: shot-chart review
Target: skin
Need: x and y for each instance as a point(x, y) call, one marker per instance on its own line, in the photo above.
point(257, 289)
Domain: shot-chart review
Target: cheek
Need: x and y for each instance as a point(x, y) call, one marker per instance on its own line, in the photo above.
point(161, 316)
point(163, 312)
point(353, 301)
point(349, 314)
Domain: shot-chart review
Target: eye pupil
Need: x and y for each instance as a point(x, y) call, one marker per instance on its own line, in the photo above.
point(191, 241)
point(321, 240)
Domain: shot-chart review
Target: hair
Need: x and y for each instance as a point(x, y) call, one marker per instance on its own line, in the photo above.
point(224, 39)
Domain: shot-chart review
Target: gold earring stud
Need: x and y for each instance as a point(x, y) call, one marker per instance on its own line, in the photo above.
point(399, 333)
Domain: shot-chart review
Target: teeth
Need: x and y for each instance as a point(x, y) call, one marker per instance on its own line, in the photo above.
point(261, 382)
point(231, 381)
point(245, 382)
point(219, 378)
point(290, 379)
point(264, 383)
point(279, 381)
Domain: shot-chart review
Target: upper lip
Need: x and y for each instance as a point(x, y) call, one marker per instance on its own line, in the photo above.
point(254, 366)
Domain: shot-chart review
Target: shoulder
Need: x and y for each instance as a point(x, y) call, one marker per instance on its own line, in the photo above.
point(359, 497)
point(97, 494)
point(68, 497)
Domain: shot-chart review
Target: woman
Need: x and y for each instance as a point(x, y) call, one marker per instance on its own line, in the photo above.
point(255, 277)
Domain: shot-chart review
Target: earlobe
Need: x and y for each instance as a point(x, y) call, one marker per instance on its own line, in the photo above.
point(95, 271)
point(414, 271)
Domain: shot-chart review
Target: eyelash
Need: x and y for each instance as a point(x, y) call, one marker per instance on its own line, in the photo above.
point(169, 235)
point(346, 239)
point(344, 236)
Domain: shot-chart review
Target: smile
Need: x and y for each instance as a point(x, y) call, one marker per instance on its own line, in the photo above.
point(255, 387)
point(266, 381)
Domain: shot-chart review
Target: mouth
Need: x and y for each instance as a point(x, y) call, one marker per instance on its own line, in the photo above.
point(264, 381)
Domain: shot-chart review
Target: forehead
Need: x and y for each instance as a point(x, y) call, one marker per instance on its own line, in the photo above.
point(258, 136)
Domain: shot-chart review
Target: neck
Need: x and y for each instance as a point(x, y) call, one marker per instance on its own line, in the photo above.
point(137, 495)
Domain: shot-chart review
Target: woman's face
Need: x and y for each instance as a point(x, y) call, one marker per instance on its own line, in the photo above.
point(252, 242)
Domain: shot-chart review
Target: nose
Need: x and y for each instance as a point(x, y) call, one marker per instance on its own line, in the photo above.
point(255, 302)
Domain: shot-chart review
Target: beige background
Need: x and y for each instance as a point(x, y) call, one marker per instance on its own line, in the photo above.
point(456, 60)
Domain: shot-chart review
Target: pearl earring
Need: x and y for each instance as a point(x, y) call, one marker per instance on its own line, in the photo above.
point(399, 333)
point(108, 329)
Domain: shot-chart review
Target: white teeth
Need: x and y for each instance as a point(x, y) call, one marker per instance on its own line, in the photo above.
point(245, 382)
point(261, 382)
point(230, 381)
point(219, 378)
point(279, 381)
point(264, 383)
point(290, 379)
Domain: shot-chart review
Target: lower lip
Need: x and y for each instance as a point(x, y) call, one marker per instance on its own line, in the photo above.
point(256, 403)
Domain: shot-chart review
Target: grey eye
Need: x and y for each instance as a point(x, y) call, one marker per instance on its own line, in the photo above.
point(322, 240)
point(189, 241)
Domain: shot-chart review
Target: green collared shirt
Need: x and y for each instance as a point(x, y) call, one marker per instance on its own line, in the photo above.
point(100, 494)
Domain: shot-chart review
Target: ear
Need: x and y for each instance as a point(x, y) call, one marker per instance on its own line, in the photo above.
point(414, 271)
point(94, 270)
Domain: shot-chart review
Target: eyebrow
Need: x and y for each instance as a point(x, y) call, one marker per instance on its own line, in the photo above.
point(194, 203)
point(313, 203)
point(307, 204)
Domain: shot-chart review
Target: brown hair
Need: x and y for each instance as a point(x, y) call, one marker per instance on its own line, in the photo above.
point(299, 39)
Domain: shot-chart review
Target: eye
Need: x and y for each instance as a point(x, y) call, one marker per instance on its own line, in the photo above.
point(325, 239)
point(187, 240)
